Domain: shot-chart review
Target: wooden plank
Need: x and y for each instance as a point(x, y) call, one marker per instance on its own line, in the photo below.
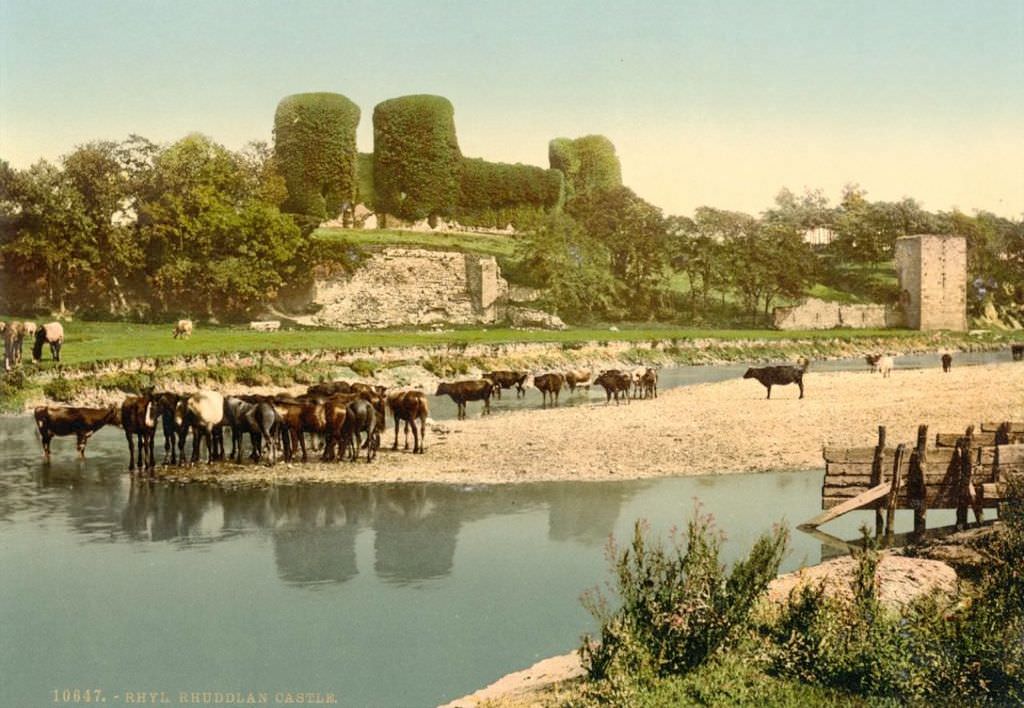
point(1011, 454)
point(846, 469)
point(991, 427)
point(848, 480)
point(854, 454)
point(949, 439)
point(857, 502)
point(894, 487)
point(846, 492)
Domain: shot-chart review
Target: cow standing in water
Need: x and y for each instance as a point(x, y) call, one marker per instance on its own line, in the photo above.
point(80, 422)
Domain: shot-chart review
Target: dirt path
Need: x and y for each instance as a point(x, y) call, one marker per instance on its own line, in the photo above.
point(706, 429)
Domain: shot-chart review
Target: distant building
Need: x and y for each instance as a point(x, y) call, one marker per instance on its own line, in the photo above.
point(819, 236)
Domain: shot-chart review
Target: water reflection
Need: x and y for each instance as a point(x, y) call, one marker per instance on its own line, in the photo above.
point(313, 529)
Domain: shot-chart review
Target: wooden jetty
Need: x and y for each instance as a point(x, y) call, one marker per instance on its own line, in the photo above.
point(968, 471)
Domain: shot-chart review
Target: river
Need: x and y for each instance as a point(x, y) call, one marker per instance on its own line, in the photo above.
point(383, 595)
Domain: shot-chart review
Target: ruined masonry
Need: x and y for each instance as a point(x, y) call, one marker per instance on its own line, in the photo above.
point(932, 272)
point(399, 287)
point(933, 281)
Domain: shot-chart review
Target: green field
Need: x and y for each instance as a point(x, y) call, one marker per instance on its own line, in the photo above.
point(483, 244)
point(98, 341)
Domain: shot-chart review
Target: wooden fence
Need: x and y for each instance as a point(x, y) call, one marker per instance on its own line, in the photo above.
point(960, 471)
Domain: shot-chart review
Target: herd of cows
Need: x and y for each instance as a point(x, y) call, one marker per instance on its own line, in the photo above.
point(341, 418)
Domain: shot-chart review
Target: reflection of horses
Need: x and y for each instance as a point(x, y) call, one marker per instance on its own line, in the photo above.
point(51, 333)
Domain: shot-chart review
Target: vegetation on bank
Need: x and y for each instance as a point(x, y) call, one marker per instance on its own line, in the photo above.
point(686, 632)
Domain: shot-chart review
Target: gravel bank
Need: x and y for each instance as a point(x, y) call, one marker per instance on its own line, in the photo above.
point(705, 429)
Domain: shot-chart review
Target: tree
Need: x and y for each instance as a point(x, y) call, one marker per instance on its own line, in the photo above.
point(571, 267)
point(633, 232)
point(768, 261)
point(212, 246)
point(45, 247)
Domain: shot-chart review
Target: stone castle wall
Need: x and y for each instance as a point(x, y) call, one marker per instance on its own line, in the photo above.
point(813, 313)
point(415, 287)
point(932, 271)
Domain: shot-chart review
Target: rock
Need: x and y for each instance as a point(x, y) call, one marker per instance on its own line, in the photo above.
point(526, 317)
point(900, 579)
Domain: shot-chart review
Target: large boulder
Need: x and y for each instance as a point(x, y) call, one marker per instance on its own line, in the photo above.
point(900, 579)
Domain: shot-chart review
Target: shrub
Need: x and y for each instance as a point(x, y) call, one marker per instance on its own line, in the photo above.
point(364, 368)
point(677, 603)
point(927, 652)
point(416, 158)
point(494, 194)
point(62, 389)
point(315, 146)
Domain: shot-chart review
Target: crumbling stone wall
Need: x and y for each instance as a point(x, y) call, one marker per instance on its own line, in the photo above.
point(814, 313)
point(412, 287)
point(932, 272)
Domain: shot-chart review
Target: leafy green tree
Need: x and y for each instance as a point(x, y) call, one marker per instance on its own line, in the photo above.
point(571, 267)
point(416, 157)
point(866, 232)
point(768, 261)
point(212, 246)
point(633, 232)
point(315, 152)
point(45, 247)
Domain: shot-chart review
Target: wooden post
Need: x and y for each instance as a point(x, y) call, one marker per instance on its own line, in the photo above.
point(966, 448)
point(1003, 433)
point(915, 482)
point(876, 476)
point(894, 490)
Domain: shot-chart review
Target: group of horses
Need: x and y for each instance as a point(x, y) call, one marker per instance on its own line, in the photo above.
point(15, 332)
point(341, 419)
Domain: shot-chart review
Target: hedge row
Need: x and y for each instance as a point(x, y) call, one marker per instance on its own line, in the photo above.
point(588, 163)
point(416, 158)
point(315, 146)
point(495, 190)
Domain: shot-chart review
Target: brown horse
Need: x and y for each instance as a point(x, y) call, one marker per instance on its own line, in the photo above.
point(51, 333)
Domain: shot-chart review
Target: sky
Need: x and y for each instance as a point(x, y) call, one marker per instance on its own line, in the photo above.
point(719, 104)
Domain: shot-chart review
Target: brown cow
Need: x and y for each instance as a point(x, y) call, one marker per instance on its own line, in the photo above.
point(138, 419)
point(463, 391)
point(549, 385)
point(649, 384)
point(614, 382)
point(410, 406)
point(297, 418)
point(80, 422)
point(576, 377)
point(507, 379)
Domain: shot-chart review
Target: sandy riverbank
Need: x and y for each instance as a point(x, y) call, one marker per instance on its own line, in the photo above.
point(706, 429)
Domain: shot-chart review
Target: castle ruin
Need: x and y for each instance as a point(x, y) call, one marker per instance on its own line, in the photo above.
point(932, 271)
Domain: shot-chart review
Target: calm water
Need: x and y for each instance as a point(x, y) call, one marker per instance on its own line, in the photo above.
point(384, 595)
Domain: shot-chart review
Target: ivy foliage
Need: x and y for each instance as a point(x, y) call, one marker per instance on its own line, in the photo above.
point(315, 147)
point(588, 163)
point(498, 193)
point(417, 161)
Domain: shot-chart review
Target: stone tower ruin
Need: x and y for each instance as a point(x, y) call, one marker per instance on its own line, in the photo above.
point(932, 271)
